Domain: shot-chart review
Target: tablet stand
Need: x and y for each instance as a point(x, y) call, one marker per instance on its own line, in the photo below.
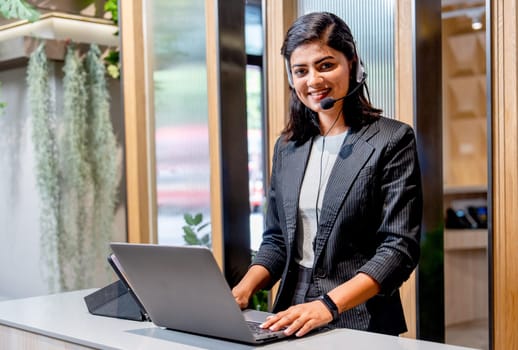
point(114, 300)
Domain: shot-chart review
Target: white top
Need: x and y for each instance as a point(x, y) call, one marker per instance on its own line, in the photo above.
point(322, 158)
point(65, 317)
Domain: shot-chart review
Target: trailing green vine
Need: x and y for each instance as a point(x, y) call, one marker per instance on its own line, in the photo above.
point(77, 185)
point(102, 150)
point(44, 133)
point(2, 104)
point(18, 9)
point(78, 165)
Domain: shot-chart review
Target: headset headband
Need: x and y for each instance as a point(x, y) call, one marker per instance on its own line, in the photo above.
point(360, 70)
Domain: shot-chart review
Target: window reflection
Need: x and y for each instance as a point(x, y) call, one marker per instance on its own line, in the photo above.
point(255, 120)
point(465, 160)
point(181, 115)
point(255, 153)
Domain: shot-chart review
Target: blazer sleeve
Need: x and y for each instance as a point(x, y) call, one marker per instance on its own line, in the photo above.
point(398, 252)
point(272, 253)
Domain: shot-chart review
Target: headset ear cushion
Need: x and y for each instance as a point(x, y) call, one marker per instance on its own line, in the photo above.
point(360, 72)
point(288, 72)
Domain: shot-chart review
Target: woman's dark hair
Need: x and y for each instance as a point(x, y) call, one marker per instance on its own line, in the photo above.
point(332, 31)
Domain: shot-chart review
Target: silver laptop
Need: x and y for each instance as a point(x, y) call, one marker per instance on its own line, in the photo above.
point(182, 288)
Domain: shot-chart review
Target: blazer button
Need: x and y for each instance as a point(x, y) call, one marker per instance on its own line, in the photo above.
point(320, 273)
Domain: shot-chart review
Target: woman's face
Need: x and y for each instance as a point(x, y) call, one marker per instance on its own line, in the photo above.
point(319, 71)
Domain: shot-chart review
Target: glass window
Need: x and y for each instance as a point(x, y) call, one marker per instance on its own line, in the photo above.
point(181, 115)
point(255, 152)
point(255, 120)
point(253, 28)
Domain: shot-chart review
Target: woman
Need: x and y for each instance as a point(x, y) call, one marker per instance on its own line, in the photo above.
point(345, 204)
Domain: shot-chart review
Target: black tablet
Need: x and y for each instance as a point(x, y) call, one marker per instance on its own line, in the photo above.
point(116, 266)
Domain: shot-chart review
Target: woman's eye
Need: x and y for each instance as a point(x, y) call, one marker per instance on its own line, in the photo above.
point(299, 72)
point(326, 65)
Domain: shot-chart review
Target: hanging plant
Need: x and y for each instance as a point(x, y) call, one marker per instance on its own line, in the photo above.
point(103, 151)
point(112, 58)
point(2, 104)
point(45, 147)
point(18, 9)
point(77, 189)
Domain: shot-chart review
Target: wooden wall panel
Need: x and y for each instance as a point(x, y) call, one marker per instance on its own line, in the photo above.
point(214, 144)
point(405, 112)
point(504, 182)
point(279, 16)
point(137, 94)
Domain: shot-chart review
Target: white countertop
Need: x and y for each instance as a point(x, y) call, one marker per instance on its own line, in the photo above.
point(65, 317)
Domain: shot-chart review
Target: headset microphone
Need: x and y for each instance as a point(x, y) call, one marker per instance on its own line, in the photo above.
point(329, 102)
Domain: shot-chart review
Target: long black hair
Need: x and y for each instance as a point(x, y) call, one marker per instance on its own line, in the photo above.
point(331, 30)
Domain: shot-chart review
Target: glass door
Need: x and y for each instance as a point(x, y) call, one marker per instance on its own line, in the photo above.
point(465, 164)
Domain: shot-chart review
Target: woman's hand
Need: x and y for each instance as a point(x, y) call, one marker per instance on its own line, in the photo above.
point(255, 278)
point(241, 295)
point(300, 319)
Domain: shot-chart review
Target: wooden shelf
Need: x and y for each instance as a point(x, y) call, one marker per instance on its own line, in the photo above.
point(454, 190)
point(467, 239)
point(464, 106)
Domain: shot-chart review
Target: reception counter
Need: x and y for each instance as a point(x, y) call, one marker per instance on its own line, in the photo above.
point(61, 321)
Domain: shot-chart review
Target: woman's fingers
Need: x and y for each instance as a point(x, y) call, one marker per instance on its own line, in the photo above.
point(276, 321)
point(300, 319)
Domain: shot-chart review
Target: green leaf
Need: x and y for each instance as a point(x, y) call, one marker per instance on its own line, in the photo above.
point(198, 218)
point(205, 240)
point(112, 57)
point(113, 71)
point(189, 219)
point(112, 7)
point(190, 238)
point(188, 230)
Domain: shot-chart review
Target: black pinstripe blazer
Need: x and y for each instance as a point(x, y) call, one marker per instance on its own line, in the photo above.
point(370, 221)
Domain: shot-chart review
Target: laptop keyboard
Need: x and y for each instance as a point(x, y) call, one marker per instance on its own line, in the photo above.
point(256, 329)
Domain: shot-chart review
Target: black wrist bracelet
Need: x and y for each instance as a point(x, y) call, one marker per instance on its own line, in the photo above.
point(330, 304)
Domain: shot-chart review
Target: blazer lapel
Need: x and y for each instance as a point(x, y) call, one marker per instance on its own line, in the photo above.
point(355, 152)
point(294, 161)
